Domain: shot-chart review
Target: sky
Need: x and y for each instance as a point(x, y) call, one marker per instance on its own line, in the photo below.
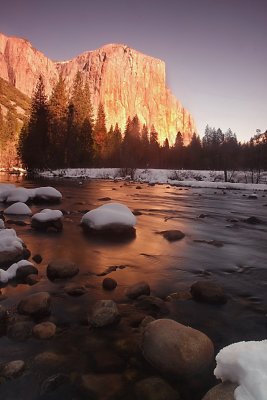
point(215, 50)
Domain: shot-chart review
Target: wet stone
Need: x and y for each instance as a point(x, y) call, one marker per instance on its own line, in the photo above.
point(138, 289)
point(61, 269)
point(37, 258)
point(152, 305)
point(74, 289)
point(12, 369)
point(109, 284)
point(44, 330)
point(104, 312)
point(25, 271)
point(172, 235)
point(53, 382)
point(223, 391)
point(20, 331)
point(32, 279)
point(36, 304)
point(155, 388)
point(208, 292)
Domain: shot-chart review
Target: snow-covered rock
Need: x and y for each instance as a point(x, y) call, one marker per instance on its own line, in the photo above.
point(112, 218)
point(244, 363)
point(18, 208)
point(11, 272)
point(13, 194)
point(47, 219)
point(12, 248)
point(2, 224)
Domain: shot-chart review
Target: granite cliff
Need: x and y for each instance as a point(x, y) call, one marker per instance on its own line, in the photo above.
point(125, 80)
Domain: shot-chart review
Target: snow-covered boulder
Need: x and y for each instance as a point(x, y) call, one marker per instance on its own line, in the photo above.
point(11, 272)
point(48, 220)
point(176, 349)
point(47, 193)
point(244, 363)
point(18, 208)
point(12, 248)
point(110, 219)
point(2, 224)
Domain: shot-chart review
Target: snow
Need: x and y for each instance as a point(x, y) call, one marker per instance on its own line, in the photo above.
point(10, 273)
point(13, 194)
point(47, 215)
point(188, 178)
point(244, 363)
point(108, 215)
point(9, 240)
point(18, 209)
point(2, 224)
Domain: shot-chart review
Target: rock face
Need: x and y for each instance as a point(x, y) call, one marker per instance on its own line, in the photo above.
point(125, 81)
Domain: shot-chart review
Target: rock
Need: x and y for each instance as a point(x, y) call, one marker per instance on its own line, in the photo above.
point(25, 271)
point(181, 295)
point(37, 258)
point(49, 359)
point(20, 331)
point(223, 391)
point(109, 284)
point(146, 321)
point(173, 235)
point(253, 220)
point(12, 369)
point(74, 289)
point(44, 330)
point(55, 225)
point(104, 199)
point(252, 196)
point(152, 305)
point(104, 312)
point(32, 280)
point(18, 209)
point(137, 212)
point(155, 388)
point(208, 292)
point(138, 289)
point(61, 269)
point(12, 248)
point(176, 349)
point(36, 304)
point(139, 187)
point(53, 382)
point(102, 386)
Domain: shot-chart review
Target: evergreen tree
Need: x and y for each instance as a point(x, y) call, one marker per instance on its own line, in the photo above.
point(131, 154)
point(34, 143)
point(100, 134)
point(58, 106)
point(154, 148)
point(144, 147)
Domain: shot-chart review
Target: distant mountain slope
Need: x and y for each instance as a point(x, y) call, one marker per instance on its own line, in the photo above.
point(126, 81)
point(15, 101)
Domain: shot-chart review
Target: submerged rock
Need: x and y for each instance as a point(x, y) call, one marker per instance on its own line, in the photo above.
point(24, 271)
point(138, 289)
point(155, 388)
point(208, 292)
point(104, 312)
point(37, 258)
point(152, 305)
point(102, 386)
point(74, 289)
point(44, 330)
point(12, 369)
point(223, 391)
point(20, 330)
point(175, 349)
point(61, 269)
point(36, 304)
point(253, 220)
point(109, 284)
point(172, 235)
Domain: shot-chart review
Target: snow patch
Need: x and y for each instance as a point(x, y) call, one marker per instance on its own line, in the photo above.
point(18, 209)
point(10, 273)
point(109, 215)
point(13, 194)
point(9, 241)
point(244, 363)
point(47, 215)
point(2, 224)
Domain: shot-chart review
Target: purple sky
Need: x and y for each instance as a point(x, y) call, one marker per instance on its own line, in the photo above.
point(215, 50)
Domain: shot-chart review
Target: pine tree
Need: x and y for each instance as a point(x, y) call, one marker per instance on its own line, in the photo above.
point(154, 148)
point(144, 147)
point(58, 123)
point(100, 134)
point(34, 142)
point(131, 143)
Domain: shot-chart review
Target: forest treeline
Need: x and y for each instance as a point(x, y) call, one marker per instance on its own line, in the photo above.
point(61, 133)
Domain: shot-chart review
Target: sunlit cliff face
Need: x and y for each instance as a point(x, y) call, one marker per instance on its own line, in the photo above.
point(126, 81)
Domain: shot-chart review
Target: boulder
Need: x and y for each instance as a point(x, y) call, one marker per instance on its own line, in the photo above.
point(18, 209)
point(44, 330)
point(104, 312)
point(12, 369)
point(61, 269)
point(176, 349)
point(74, 289)
point(152, 305)
point(138, 289)
point(12, 248)
point(48, 220)
point(223, 391)
point(109, 284)
point(36, 304)
point(208, 292)
point(155, 388)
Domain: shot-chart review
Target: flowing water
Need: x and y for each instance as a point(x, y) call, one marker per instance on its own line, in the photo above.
point(239, 265)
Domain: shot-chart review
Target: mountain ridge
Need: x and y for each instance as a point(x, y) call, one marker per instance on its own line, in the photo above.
point(125, 80)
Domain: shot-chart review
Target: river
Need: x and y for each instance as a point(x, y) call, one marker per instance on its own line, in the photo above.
point(239, 265)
